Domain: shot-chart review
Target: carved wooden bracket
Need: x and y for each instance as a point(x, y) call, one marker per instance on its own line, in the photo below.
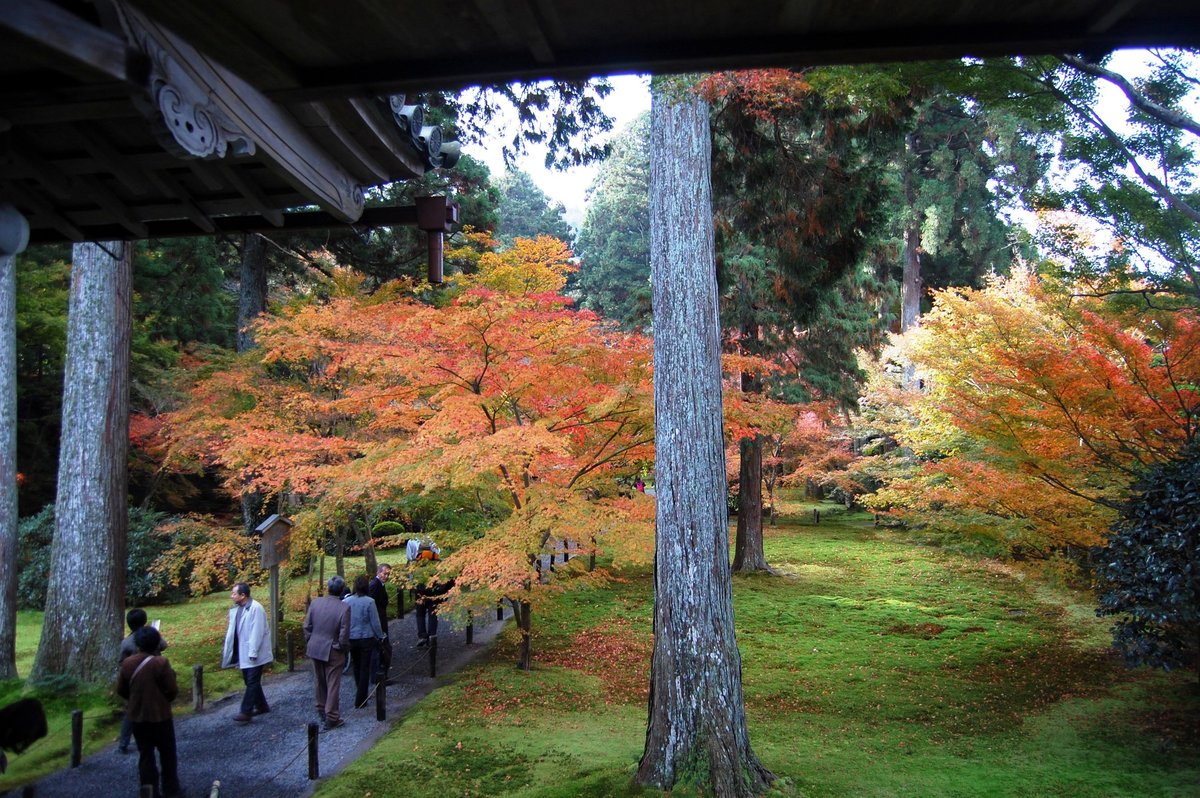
point(209, 112)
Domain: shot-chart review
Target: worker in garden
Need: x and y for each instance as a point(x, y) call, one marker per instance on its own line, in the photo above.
point(430, 592)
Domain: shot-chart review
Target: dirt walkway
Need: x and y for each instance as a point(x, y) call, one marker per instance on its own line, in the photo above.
point(268, 758)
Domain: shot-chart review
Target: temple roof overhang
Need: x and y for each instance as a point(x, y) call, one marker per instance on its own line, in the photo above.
point(135, 115)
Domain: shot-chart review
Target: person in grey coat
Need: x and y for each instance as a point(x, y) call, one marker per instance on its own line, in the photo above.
point(366, 634)
point(248, 646)
point(327, 630)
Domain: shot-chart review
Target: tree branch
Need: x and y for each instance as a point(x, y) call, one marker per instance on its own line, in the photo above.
point(1136, 98)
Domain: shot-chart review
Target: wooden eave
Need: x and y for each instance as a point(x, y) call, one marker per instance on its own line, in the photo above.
point(303, 86)
point(86, 151)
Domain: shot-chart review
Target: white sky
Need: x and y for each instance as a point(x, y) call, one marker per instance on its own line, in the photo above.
point(630, 96)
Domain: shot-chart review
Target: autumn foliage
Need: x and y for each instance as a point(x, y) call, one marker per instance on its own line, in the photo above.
point(1043, 406)
point(504, 391)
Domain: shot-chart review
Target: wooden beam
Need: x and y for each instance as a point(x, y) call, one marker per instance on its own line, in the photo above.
point(770, 49)
point(256, 197)
point(317, 117)
point(398, 145)
point(211, 112)
point(182, 228)
point(69, 36)
point(170, 187)
point(41, 212)
point(125, 169)
point(110, 202)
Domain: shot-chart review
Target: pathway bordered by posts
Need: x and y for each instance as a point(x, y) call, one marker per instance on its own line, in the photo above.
point(270, 757)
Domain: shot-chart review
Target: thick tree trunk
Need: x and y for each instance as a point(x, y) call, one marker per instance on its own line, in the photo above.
point(86, 594)
point(748, 555)
point(14, 234)
point(252, 302)
point(252, 288)
point(697, 725)
point(339, 551)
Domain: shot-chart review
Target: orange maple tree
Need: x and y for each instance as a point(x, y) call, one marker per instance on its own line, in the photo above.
point(510, 393)
point(1043, 406)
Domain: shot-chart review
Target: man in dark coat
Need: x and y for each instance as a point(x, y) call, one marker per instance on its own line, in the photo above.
point(382, 658)
point(327, 630)
point(147, 681)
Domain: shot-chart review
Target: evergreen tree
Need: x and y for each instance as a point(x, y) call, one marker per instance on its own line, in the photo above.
point(526, 212)
point(697, 726)
point(614, 240)
point(963, 164)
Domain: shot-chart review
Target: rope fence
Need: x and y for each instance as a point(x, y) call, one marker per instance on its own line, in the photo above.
point(378, 692)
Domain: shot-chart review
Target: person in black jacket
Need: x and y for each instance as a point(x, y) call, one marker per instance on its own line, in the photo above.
point(429, 596)
point(148, 682)
point(377, 590)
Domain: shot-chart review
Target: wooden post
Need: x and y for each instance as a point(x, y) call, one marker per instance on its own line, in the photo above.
point(197, 688)
point(470, 628)
point(816, 516)
point(314, 768)
point(76, 737)
point(274, 592)
point(291, 652)
point(381, 700)
point(566, 551)
point(499, 611)
point(433, 656)
point(592, 557)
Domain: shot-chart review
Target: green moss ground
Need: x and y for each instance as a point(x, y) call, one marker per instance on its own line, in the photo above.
point(872, 667)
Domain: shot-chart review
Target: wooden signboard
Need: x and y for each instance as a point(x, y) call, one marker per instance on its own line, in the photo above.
point(274, 547)
point(273, 550)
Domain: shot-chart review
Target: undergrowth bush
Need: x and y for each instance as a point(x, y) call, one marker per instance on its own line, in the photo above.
point(146, 544)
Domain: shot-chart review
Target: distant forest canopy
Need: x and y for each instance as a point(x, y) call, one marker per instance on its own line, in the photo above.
point(845, 197)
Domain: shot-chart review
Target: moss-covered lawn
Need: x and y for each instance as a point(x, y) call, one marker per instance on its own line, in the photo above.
point(872, 667)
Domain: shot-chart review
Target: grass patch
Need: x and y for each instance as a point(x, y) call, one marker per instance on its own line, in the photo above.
point(872, 666)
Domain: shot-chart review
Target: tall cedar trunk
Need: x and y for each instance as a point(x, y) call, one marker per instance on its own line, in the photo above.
point(14, 233)
point(86, 592)
point(252, 288)
point(252, 301)
point(910, 283)
point(339, 550)
point(748, 553)
point(697, 725)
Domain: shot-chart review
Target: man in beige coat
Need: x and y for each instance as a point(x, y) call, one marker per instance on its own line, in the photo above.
point(327, 630)
point(248, 646)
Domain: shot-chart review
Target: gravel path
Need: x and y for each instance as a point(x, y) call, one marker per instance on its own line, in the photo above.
point(268, 758)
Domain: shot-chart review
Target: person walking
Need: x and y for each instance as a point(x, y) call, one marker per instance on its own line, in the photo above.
point(248, 646)
point(327, 631)
point(136, 618)
point(366, 633)
point(378, 591)
point(148, 682)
